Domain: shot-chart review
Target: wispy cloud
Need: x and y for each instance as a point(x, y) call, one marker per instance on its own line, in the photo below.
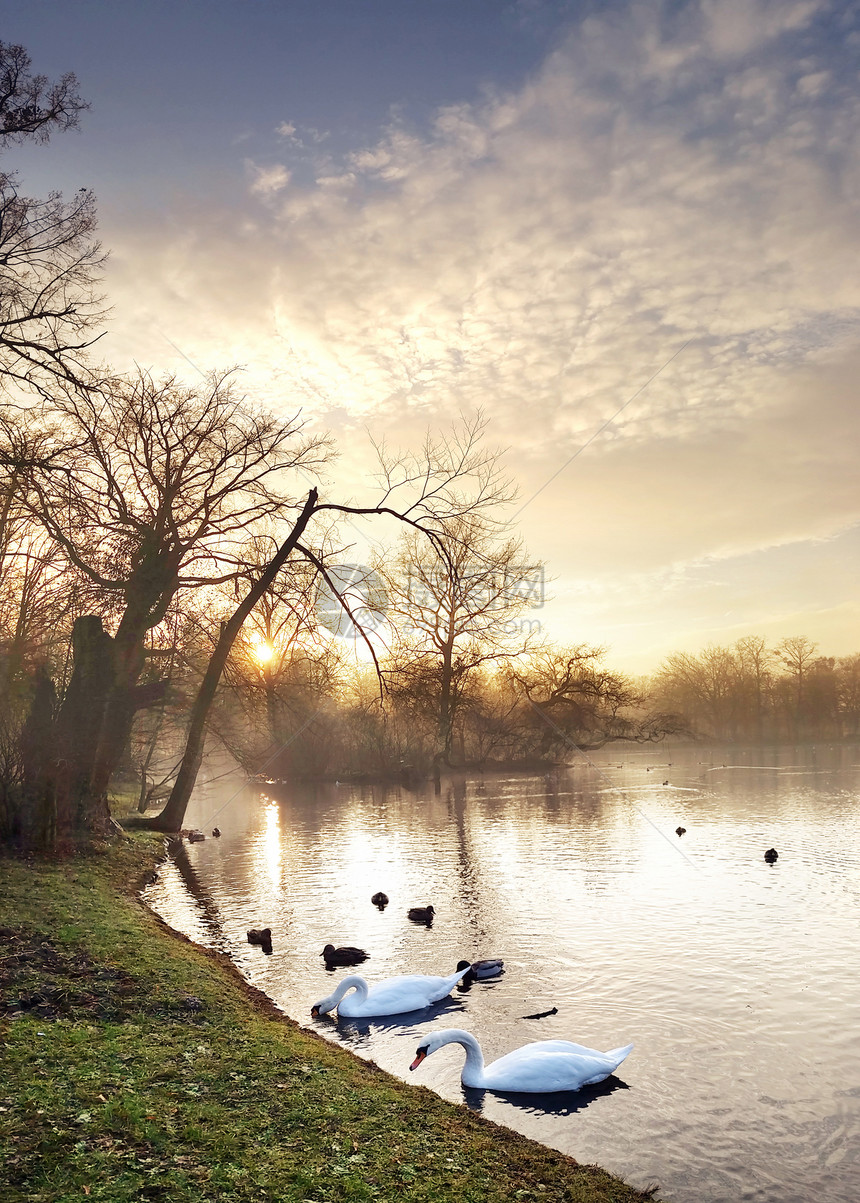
point(267, 181)
point(666, 177)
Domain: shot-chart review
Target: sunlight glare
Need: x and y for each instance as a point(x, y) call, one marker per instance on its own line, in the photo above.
point(261, 650)
point(271, 847)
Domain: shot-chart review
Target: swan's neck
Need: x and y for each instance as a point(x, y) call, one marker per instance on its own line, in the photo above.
point(351, 982)
point(473, 1070)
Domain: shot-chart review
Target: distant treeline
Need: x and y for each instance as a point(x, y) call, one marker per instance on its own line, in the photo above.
point(751, 692)
point(538, 708)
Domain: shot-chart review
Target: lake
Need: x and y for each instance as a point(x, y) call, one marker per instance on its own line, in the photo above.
point(736, 979)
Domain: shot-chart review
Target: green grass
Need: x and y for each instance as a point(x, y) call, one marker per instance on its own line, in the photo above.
point(136, 1066)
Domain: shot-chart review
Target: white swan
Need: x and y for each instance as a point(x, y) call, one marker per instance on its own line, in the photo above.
point(390, 997)
point(544, 1066)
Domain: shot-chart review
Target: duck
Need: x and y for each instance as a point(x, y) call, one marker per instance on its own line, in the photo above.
point(261, 936)
point(421, 914)
point(345, 955)
point(392, 996)
point(771, 855)
point(538, 1068)
point(479, 970)
point(680, 830)
point(379, 899)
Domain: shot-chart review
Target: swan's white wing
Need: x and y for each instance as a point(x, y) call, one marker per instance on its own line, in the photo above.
point(423, 983)
point(391, 997)
point(404, 979)
point(394, 995)
point(436, 988)
point(555, 1046)
point(548, 1065)
point(615, 1055)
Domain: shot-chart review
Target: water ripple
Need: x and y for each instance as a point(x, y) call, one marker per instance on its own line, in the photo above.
point(735, 979)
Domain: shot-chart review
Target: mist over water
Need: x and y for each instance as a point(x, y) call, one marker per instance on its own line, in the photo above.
point(735, 979)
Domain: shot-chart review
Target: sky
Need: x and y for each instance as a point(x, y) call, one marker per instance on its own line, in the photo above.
point(628, 233)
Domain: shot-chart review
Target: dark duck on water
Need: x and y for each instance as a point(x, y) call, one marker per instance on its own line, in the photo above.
point(345, 955)
point(421, 914)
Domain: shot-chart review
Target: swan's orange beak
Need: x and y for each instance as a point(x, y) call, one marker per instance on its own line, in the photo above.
point(315, 1012)
point(422, 1053)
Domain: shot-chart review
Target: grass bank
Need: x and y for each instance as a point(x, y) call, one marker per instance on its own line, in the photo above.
point(136, 1066)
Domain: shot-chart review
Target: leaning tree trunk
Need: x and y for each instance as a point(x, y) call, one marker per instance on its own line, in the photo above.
point(173, 815)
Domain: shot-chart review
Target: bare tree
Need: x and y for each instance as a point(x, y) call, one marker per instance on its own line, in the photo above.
point(40, 595)
point(848, 687)
point(38, 590)
point(454, 603)
point(150, 489)
point(447, 480)
point(273, 713)
point(753, 661)
point(451, 476)
point(49, 260)
point(573, 702)
point(173, 814)
point(30, 105)
point(751, 691)
point(796, 654)
point(701, 689)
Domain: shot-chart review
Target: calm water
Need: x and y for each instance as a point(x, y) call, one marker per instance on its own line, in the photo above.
point(736, 980)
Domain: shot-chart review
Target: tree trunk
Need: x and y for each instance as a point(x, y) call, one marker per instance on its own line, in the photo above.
point(59, 758)
point(173, 815)
point(446, 703)
point(68, 760)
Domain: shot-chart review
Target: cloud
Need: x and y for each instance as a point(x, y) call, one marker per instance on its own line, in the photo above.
point(778, 475)
point(267, 181)
point(543, 253)
point(737, 27)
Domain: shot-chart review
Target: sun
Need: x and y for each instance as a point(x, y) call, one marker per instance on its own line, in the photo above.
point(261, 650)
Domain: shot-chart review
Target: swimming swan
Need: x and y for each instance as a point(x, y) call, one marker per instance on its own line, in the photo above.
point(389, 997)
point(537, 1068)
